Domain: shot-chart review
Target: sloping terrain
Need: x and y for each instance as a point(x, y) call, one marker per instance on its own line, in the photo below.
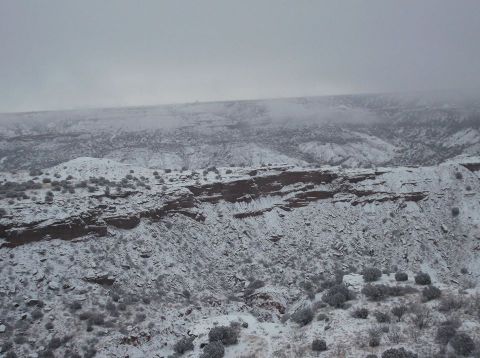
point(251, 228)
point(356, 131)
point(100, 258)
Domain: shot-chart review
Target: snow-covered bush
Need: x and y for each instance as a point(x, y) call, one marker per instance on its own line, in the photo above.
point(213, 350)
point(401, 276)
point(337, 295)
point(421, 316)
point(303, 316)
point(444, 333)
point(399, 311)
point(398, 353)
point(184, 345)
point(226, 335)
point(55, 343)
point(75, 306)
point(319, 345)
point(323, 317)
point(374, 337)
point(462, 344)
point(449, 303)
point(46, 353)
point(360, 313)
point(371, 274)
point(382, 317)
point(35, 172)
point(375, 292)
point(37, 314)
point(430, 293)
point(423, 278)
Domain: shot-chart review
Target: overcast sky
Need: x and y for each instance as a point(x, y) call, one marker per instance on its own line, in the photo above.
point(58, 54)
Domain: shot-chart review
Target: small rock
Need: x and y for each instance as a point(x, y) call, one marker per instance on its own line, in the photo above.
point(2, 328)
point(53, 285)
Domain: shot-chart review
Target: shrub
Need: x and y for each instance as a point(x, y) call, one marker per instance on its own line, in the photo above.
point(399, 311)
point(398, 353)
point(430, 293)
point(462, 344)
point(423, 278)
point(213, 350)
point(336, 300)
point(421, 316)
point(445, 333)
point(6, 346)
point(55, 343)
point(371, 274)
point(401, 276)
point(303, 316)
point(375, 292)
point(37, 314)
point(184, 345)
point(382, 317)
point(374, 337)
point(455, 211)
point(448, 303)
point(319, 345)
point(75, 306)
point(361, 313)
point(35, 172)
point(140, 317)
point(337, 295)
point(396, 291)
point(322, 317)
point(47, 353)
point(224, 334)
point(20, 339)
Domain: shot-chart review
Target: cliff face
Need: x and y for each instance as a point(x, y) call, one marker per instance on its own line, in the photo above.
point(292, 188)
point(388, 210)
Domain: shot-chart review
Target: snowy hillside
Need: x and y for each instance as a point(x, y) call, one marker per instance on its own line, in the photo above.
point(107, 259)
point(341, 226)
point(356, 131)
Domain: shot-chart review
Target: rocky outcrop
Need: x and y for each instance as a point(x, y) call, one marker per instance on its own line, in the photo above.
point(68, 229)
point(123, 222)
point(294, 188)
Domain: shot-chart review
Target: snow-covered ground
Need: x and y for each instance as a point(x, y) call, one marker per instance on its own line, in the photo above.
point(357, 131)
point(125, 230)
point(181, 249)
